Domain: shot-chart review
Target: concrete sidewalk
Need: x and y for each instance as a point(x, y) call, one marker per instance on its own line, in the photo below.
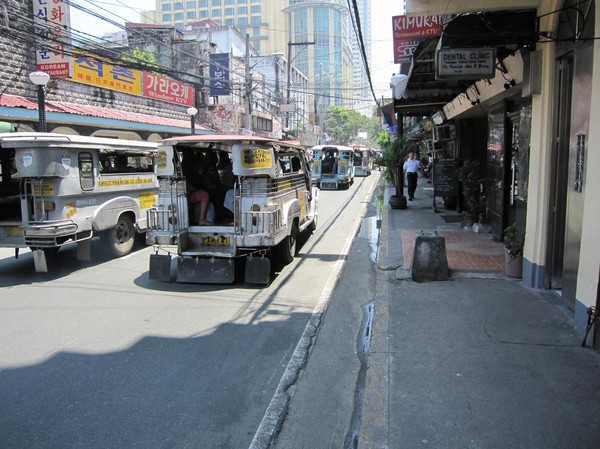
point(478, 361)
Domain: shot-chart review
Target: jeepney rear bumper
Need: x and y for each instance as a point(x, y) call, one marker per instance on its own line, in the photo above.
point(52, 234)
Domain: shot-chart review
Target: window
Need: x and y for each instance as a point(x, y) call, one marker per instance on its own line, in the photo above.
point(255, 20)
point(166, 7)
point(178, 16)
point(216, 2)
point(216, 13)
point(190, 5)
point(229, 11)
point(191, 14)
point(203, 3)
point(243, 10)
point(86, 171)
point(229, 22)
point(203, 14)
point(167, 17)
point(243, 21)
point(255, 9)
point(178, 6)
point(229, 2)
point(117, 164)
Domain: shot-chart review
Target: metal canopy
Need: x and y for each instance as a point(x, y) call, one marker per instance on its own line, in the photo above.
point(505, 30)
point(424, 95)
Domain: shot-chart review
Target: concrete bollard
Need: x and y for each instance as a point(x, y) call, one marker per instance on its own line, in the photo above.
point(430, 262)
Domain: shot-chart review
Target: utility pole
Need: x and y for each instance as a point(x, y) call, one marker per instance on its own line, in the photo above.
point(289, 75)
point(248, 88)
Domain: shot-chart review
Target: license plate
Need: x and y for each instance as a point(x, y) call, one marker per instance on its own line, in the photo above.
point(218, 240)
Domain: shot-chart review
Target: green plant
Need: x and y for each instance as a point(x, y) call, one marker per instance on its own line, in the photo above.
point(514, 239)
point(469, 177)
point(392, 156)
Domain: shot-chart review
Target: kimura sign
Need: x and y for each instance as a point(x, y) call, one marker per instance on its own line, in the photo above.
point(465, 63)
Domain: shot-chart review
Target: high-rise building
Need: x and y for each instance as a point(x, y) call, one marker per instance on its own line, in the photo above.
point(316, 35)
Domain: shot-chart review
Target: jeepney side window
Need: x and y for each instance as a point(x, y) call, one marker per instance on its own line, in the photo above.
point(86, 171)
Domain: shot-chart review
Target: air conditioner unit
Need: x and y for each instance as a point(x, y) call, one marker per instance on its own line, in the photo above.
point(442, 133)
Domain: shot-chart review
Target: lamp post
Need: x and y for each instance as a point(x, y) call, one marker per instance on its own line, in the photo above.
point(40, 79)
point(192, 111)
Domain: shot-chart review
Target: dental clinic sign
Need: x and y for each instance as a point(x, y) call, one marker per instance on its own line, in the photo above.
point(465, 63)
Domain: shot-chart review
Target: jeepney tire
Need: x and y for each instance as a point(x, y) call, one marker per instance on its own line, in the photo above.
point(286, 250)
point(120, 239)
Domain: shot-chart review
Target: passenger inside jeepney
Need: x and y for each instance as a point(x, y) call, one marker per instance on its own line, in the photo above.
point(198, 198)
point(210, 181)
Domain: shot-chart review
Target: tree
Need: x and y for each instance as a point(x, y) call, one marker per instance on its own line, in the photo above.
point(345, 124)
point(142, 59)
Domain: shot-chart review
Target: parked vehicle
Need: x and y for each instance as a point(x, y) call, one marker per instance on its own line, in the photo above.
point(333, 166)
point(362, 160)
point(75, 187)
point(260, 200)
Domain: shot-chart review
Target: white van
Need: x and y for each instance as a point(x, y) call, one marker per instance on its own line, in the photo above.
point(263, 198)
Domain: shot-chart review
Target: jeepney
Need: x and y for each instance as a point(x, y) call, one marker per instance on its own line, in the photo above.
point(333, 166)
point(271, 199)
point(73, 188)
point(362, 160)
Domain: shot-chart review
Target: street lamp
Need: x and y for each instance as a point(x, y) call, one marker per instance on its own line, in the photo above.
point(40, 79)
point(192, 111)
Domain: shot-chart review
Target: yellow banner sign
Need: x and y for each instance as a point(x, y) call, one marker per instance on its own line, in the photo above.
point(91, 71)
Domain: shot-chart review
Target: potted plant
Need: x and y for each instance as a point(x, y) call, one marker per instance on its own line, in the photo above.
point(514, 239)
point(469, 176)
point(393, 154)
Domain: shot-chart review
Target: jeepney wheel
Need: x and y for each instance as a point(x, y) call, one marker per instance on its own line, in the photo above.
point(121, 238)
point(286, 250)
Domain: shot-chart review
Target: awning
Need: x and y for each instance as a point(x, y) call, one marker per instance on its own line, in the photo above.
point(16, 107)
point(424, 95)
point(507, 31)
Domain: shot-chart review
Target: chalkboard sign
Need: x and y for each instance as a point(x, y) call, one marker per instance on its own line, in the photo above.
point(445, 177)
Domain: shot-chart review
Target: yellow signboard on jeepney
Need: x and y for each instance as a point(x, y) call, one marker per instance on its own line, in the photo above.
point(116, 182)
point(45, 190)
point(257, 158)
point(253, 160)
point(147, 200)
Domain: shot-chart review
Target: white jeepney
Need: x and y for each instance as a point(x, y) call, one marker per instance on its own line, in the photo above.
point(73, 188)
point(270, 198)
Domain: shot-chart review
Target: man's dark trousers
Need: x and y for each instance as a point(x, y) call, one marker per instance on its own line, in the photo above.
point(411, 181)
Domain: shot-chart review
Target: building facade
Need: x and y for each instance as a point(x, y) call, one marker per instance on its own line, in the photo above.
point(531, 127)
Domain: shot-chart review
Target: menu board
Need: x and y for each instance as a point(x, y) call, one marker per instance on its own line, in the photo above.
point(445, 177)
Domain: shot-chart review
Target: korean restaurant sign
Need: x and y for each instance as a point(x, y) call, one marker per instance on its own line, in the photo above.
point(88, 70)
point(465, 63)
point(51, 22)
point(99, 73)
point(408, 31)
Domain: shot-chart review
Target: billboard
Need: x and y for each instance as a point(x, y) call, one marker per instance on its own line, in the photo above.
point(409, 31)
point(95, 72)
point(220, 84)
point(51, 22)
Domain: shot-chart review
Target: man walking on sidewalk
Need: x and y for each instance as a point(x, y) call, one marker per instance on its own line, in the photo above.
point(411, 167)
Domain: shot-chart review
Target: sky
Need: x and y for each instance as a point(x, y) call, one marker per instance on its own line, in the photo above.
point(382, 11)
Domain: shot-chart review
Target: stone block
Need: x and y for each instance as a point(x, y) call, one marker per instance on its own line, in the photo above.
point(430, 261)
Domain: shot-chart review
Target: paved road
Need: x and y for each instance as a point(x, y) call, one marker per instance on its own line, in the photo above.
point(96, 355)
